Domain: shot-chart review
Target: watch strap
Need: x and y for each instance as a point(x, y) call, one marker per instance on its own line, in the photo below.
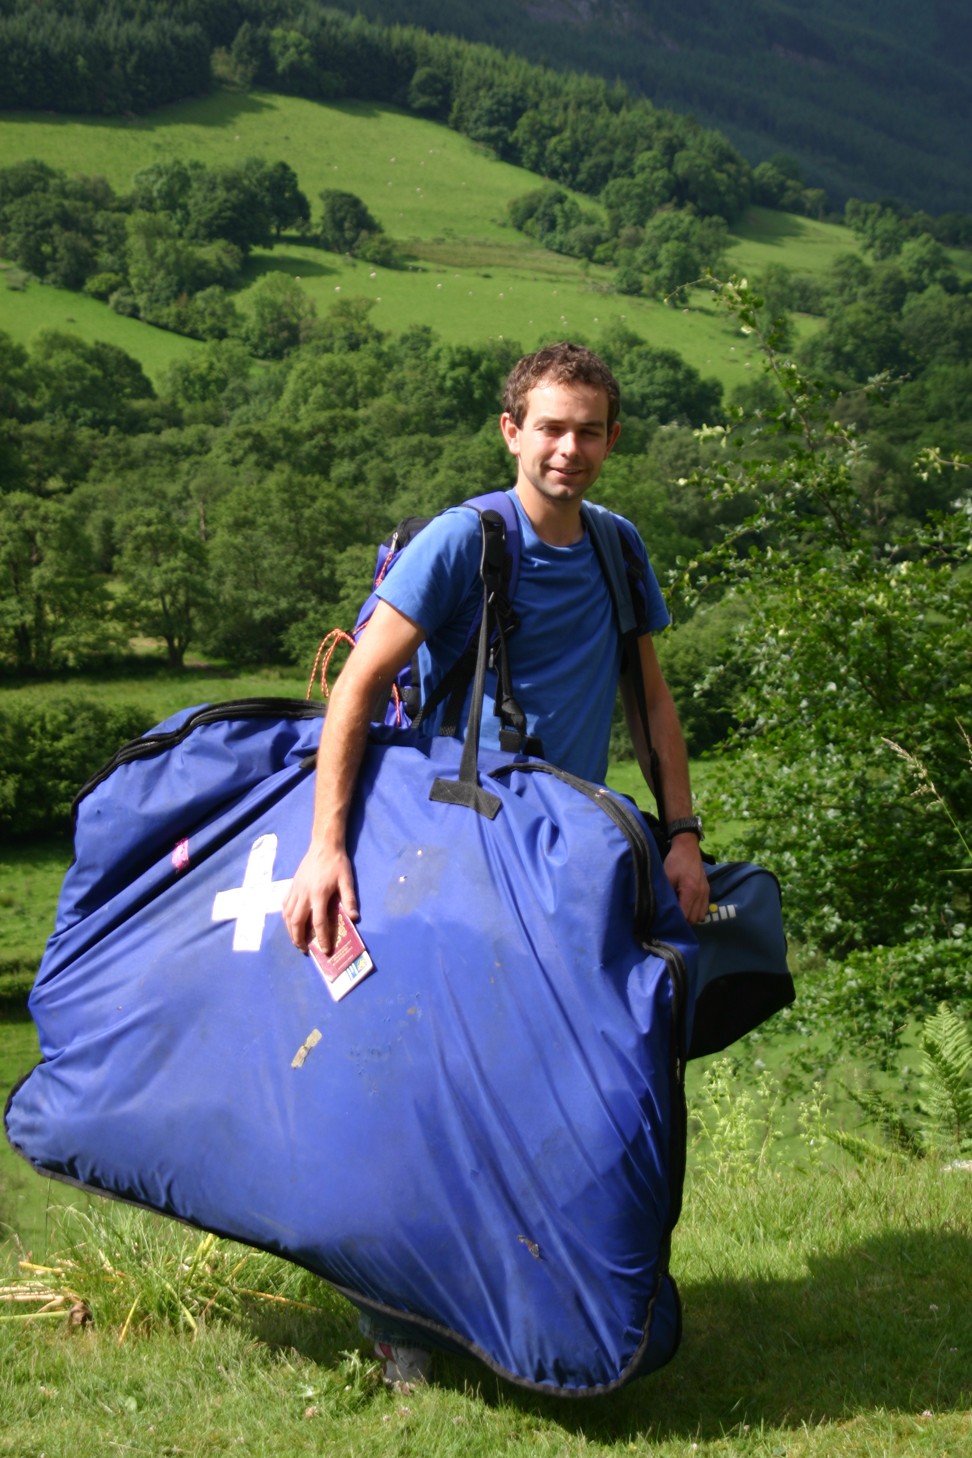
point(688, 825)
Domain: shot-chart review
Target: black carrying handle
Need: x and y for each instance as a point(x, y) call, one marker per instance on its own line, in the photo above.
point(467, 790)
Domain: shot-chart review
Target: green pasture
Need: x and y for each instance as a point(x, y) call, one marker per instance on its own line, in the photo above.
point(803, 245)
point(471, 275)
point(524, 301)
point(30, 877)
point(31, 307)
point(421, 180)
point(27, 1199)
point(164, 691)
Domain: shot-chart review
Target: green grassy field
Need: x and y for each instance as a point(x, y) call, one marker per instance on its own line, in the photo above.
point(421, 180)
point(762, 237)
point(163, 691)
point(29, 879)
point(26, 310)
point(473, 275)
point(827, 1314)
point(27, 1199)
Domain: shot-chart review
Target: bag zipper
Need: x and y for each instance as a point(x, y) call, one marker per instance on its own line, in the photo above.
point(156, 743)
point(627, 821)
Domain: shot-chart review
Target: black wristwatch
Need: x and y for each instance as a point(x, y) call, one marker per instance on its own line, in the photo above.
point(690, 825)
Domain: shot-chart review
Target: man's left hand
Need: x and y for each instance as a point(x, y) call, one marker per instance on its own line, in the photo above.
point(686, 872)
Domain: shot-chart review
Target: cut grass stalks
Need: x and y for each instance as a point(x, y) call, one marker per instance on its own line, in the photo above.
point(129, 1270)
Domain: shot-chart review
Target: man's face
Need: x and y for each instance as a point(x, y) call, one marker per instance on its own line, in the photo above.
point(563, 441)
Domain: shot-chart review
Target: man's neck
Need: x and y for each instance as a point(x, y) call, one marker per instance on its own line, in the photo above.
point(558, 523)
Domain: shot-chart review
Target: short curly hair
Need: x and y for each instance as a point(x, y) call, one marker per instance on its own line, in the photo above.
point(559, 364)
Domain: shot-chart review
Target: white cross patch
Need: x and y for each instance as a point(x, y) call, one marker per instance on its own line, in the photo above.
point(260, 895)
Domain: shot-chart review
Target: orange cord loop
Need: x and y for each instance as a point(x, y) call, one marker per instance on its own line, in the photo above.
point(326, 649)
point(325, 652)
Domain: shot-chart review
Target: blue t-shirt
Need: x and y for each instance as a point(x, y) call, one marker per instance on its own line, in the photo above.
point(565, 654)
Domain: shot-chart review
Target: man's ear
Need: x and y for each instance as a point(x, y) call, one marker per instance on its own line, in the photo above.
point(612, 436)
point(511, 433)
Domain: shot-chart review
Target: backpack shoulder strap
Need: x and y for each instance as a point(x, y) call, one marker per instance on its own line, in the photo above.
point(499, 571)
point(505, 507)
point(620, 562)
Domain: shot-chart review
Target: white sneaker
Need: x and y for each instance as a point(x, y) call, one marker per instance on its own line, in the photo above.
point(403, 1367)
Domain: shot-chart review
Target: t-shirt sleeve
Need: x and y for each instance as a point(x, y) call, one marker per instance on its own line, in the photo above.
point(435, 579)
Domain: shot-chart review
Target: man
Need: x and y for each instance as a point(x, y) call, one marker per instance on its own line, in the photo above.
point(560, 423)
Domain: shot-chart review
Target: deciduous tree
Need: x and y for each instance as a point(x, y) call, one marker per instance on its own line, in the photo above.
point(162, 568)
point(53, 607)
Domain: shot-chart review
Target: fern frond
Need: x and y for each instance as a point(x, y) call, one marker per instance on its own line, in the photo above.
point(864, 1151)
point(946, 1091)
point(880, 1111)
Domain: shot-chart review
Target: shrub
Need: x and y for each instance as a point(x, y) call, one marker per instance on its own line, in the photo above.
point(48, 749)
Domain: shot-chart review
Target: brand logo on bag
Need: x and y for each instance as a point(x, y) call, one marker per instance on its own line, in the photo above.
point(720, 913)
point(260, 896)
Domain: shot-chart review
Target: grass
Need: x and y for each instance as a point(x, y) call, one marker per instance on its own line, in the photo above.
point(524, 303)
point(25, 311)
point(421, 180)
point(763, 236)
point(27, 1200)
point(30, 877)
point(164, 691)
point(474, 277)
point(826, 1312)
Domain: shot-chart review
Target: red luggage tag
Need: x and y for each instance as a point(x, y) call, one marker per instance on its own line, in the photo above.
point(349, 962)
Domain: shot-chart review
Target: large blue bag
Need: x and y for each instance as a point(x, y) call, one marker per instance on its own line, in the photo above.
point(486, 1136)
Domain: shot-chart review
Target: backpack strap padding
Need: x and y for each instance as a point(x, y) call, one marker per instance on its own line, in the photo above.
point(503, 504)
point(606, 537)
point(504, 572)
point(467, 790)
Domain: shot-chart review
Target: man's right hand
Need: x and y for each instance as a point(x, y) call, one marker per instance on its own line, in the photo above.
point(325, 875)
point(323, 878)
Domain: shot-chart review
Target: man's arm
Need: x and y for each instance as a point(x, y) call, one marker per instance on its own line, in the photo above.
point(325, 872)
point(683, 864)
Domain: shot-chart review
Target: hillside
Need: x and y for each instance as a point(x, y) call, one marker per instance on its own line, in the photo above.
point(873, 100)
point(472, 277)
